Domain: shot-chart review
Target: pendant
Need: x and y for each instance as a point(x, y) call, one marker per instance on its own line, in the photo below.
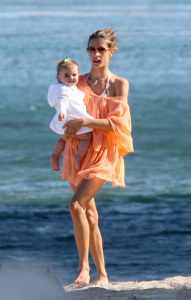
point(95, 82)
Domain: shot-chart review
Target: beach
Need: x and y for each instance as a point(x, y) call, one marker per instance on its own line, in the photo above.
point(173, 288)
point(146, 226)
point(30, 284)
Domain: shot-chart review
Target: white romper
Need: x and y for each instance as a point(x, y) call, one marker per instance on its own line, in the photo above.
point(69, 101)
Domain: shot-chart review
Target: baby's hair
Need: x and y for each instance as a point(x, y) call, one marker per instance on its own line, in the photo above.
point(63, 64)
point(107, 34)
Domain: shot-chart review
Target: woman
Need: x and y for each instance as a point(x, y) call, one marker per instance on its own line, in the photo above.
point(106, 100)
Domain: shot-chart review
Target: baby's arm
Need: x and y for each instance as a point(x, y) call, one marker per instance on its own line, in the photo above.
point(63, 99)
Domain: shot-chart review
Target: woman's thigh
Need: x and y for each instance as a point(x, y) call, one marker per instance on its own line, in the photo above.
point(86, 191)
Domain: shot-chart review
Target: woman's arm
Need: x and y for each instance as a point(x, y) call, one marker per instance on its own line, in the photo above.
point(102, 124)
point(72, 127)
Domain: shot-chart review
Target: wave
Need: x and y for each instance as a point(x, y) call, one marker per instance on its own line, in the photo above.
point(40, 14)
point(16, 124)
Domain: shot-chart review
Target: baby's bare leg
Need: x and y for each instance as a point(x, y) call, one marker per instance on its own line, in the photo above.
point(85, 140)
point(58, 149)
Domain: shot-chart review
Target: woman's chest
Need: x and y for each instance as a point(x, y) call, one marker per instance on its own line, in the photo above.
point(98, 107)
point(101, 88)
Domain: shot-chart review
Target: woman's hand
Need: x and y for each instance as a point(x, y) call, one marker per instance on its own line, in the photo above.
point(72, 127)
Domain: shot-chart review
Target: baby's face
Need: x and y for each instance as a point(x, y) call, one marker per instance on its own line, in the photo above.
point(69, 76)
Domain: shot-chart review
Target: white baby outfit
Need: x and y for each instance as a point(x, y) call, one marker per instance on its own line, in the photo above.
point(69, 101)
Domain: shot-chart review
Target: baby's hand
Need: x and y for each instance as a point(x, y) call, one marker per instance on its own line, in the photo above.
point(61, 117)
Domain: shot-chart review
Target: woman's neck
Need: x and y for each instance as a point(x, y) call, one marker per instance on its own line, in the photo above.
point(99, 73)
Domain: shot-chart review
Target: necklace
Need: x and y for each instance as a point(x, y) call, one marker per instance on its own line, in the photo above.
point(96, 80)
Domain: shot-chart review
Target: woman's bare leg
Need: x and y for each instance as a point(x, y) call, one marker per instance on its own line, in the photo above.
point(81, 219)
point(84, 268)
point(96, 244)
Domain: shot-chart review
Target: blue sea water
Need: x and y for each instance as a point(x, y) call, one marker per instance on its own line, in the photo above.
point(146, 227)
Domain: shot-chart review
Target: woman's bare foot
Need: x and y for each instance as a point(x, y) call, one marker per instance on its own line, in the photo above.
point(102, 279)
point(77, 160)
point(54, 161)
point(83, 277)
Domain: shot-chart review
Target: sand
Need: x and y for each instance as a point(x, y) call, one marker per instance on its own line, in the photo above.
point(29, 284)
point(174, 288)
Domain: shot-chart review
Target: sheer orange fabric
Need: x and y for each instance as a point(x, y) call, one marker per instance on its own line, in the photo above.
point(104, 158)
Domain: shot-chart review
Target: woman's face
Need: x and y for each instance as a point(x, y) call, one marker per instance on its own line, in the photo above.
point(99, 53)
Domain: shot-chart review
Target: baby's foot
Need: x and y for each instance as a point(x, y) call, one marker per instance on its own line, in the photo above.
point(54, 161)
point(77, 160)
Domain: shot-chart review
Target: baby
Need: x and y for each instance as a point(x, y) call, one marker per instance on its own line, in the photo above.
point(69, 104)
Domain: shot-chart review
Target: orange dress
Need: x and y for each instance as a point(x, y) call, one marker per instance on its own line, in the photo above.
point(104, 158)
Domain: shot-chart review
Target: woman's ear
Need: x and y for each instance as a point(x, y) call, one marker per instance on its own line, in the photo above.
point(111, 53)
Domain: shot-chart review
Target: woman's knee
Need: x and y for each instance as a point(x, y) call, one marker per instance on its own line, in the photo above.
point(75, 209)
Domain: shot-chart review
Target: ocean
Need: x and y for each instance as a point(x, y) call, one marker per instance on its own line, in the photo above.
point(146, 227)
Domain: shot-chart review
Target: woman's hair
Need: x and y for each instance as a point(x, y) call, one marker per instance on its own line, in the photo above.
point(108, 35)
point(65, 64)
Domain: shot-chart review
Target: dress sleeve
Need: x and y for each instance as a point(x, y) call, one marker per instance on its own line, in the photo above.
point(120, 119)
point(63, 100)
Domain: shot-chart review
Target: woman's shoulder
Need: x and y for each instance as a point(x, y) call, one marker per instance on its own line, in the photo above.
point(83, 77)
point(81, 81)
point(121, 85)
